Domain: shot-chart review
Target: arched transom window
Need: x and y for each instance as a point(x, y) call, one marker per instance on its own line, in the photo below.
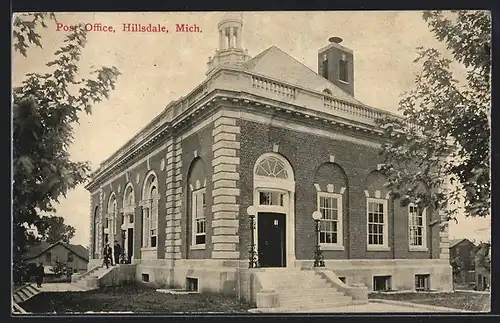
point(271, 166)
point(111, 219)
point(150, 203)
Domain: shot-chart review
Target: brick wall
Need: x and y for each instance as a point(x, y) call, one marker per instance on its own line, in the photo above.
point(196, 167)
point(306, 153)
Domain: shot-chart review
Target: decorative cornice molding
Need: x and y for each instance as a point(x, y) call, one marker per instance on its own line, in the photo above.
point(221, 98)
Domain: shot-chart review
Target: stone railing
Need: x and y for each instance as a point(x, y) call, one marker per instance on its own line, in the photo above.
point(349, 108)
point(273, 86)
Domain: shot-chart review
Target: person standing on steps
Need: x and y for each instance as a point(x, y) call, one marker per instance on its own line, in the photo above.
point(117, 252)
point(40, 272)
point(107, 256)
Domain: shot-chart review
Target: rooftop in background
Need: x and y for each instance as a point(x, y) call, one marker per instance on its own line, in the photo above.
point(39, 249)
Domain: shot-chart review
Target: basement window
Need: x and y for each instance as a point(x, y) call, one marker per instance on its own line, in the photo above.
point(342, 279)
point(145, 278)
point(381, 283)
point(422, 282)
point(192, 284)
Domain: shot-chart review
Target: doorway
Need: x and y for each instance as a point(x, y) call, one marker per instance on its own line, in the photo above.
point(271, 239)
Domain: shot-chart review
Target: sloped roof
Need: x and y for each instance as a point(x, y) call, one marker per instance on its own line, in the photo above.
point(36, 250)
point(275, 63)
point(454, 242)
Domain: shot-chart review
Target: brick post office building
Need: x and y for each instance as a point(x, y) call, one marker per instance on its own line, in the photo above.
point(265, 131)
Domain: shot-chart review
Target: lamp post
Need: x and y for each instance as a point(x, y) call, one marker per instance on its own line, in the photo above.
point(318, 253)
point(253, 255)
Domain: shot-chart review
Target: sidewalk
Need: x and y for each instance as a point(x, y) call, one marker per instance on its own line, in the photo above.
point(472, 291)
point(60, 287)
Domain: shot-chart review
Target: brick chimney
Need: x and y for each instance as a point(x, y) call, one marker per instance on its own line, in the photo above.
point(336, 63)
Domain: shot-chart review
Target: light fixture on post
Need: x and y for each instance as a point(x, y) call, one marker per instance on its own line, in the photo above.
point(252, 212)
point(318, 253)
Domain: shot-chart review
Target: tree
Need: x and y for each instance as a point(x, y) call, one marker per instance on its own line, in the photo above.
point(52, 229)
point(45, 109)
point(444, 134)
point(59, 268)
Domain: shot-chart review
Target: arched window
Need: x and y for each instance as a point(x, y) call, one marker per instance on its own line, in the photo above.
point(111, 220)
point(153, 234)
point(150, 211)
point(197, 204)
point(327, 91)
point(129, 203)
point(271, 166)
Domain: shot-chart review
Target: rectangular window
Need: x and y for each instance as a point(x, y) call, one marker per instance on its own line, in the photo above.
point(343, 74)
point(416, 227)
point(422, 282)
point(48, 257)
point(70, 257)
point(153, 223)
point(330, 226)
point(130, 218)
point(271, 198)
point(381, 283)
point(377, 223)
point(198, 216)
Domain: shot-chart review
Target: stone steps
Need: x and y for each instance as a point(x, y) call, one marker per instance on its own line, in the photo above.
point(319, 300)
point(303, 291)
point(314, 292)
point(83, 282)
point(24, 293)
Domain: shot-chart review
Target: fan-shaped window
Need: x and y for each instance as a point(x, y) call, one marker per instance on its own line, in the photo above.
point(327, 91)
point(271, 166)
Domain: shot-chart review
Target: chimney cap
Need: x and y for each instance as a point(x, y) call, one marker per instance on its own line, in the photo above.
point(335, 39)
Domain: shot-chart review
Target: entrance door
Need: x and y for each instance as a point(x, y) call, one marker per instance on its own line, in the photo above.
point(130, 244)
point(272, 240)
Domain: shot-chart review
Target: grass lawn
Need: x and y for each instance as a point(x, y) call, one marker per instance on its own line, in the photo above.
point(459, 300)
point(131, 298)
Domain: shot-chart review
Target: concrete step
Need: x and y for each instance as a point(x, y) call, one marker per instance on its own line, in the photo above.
point(318, 307)
point(33, 289)
point(304, 285)
point(315, 301)
point(26, 292)
point(324, 293)
point(22, 296)
point(17, 298)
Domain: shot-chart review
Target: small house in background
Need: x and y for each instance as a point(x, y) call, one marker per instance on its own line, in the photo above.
point(59, 259)
point(462, 253)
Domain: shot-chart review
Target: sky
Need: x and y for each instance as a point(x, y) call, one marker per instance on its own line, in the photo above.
point(160, 67)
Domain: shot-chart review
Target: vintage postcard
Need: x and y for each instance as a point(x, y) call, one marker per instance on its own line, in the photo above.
point(264, 162)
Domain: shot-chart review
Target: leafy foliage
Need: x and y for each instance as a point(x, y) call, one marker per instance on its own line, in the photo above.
point(52, 229)
point(444, 134)
point(482, 258)
point(59, 268)
point(45, 109)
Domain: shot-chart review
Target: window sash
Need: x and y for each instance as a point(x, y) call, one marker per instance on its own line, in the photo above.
point(198, 217)
point(376, 223)
point(330, 227)
point(416, 226)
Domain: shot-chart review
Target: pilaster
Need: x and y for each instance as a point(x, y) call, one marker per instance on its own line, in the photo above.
point(226, 192)
point(444, 244)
